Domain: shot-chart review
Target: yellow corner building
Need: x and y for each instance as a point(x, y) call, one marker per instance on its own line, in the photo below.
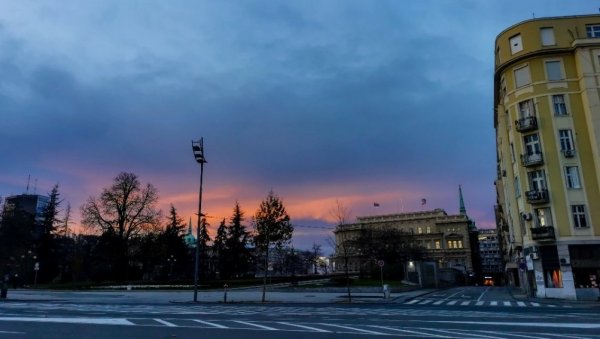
point(547, 121)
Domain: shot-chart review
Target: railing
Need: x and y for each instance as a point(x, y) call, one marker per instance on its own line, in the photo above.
point(542, 233)
point(537, 196)
point(535, 159)
point(526, 124)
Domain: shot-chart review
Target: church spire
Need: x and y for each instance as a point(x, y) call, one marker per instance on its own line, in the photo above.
point(463, 210)
point(190, 227)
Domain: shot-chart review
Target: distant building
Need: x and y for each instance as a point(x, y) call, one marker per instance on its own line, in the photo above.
point(492, 267)
point(547, 121)
point(449, 240)
point(189, 238)
point(29, 208)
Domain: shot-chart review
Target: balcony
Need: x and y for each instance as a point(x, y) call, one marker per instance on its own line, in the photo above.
point(537, 196)
point(543, 233)
point(529, 160)
point(526, 124)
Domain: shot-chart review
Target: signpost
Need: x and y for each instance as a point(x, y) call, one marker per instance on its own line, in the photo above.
point(36, 268)
point(380, 263)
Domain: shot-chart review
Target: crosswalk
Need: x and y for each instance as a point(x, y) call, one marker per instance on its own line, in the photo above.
point(496, 303)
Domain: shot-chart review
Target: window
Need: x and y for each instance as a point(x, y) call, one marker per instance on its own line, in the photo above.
point(554, 70)
point(428, 229)
point(532, 144)
point(428, 245)
point(537, 181)
point(512, 152)
point(437, 245)
point(450, 244)
point(460, 244)
point(522, 76)
point(572, 176)
point(558, 102)
point(543, 217)
point(516, 44)
point(566, 139)
point(419, 230)
point(547, 34)
point(593, 31)
point(526, 109)
point(578, 212)
point(553, 278)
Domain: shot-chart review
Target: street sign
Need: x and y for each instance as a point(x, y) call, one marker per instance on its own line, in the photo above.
point(380, 263)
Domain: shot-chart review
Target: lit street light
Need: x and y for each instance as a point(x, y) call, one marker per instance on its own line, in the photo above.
point(198, 148)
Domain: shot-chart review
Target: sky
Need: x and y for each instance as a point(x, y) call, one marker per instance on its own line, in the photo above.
point(355, 101)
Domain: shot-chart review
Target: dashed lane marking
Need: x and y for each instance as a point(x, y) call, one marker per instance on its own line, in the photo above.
point(314, 329)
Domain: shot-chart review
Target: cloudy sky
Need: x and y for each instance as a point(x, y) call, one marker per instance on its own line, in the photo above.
point(359, 101)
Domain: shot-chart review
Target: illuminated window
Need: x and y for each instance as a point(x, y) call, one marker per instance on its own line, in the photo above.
point(419, 230)
point(437, 245)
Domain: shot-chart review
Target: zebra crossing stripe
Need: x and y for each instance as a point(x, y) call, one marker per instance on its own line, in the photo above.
point(494, 303)
point(424, 302)
point(314, 329)
point(535, 304)
point(479, 303)
point(452, 302)
point(520, 303)
point(412, 301)
point(507, 303)
point(255, 325)
point(465, 303)
point(355, 329)
point(439, 302)
point(166, 323)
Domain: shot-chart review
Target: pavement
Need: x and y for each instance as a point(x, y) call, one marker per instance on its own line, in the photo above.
point(233, 296)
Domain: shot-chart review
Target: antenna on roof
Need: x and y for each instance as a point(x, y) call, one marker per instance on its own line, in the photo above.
point(533, 15)
point(28, 179)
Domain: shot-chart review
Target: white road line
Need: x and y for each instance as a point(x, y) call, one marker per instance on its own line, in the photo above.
point(470, 334)
point(551, 305)
point(520, 303)
point(424, 302)
point(354, 329)
point(484, 292)
point(425, 334)
point(450, 296)
point(479, 303)
point(255, 325)
point(525, 324)
point(209, 323)
point(166, 323)
point(11, 332)
point(438, 302)
point(465, 303)
point(535, 304)
point(412, 301)
point(304, 327)
point(512, 334)
point(565, 336)
point(96, 321)
point(452, 302)
point(494, 303)
point(507, 303)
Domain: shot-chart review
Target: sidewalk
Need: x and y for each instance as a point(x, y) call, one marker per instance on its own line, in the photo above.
point(520, 294)
point(233, 296)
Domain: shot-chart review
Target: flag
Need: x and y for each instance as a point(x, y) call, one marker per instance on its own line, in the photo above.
point(423, 201)
point(375, 204)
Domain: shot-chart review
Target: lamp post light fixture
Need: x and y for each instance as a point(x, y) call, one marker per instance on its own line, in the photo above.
point(198, 149)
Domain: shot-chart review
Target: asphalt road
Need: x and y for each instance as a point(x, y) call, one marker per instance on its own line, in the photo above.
point(430, 315)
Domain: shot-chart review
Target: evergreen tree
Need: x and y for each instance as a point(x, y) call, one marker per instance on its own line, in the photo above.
point(48, 254)
point(238, 255)
point(173, 244)
point(219, 249)
point(271, 227)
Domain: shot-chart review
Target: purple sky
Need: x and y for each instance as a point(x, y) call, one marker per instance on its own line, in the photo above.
point(359, 101)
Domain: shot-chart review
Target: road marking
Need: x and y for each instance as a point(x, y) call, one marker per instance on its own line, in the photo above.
point(494, 303)
point(255, 325)
point(438, 302)
point(209, 323)
point(507, 303)
point(412, 302)
point(538, 324)
point(450, 296)
point(166, 323)
point(551, 305)
point(452, 302)
point(354, 329)
point(465, 303)
point(427, 335)
point(304, 327)
point(484, 292)
point(95, 321)
point(470, 334)
point(479, 303)
point(565, 336)
point(520, 303)
point(535, 304)
point(424, 302)
point(11, 332)
point(512, 334)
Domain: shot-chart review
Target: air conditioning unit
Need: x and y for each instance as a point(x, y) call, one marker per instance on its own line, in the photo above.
point(565, 261)
point(569, 153)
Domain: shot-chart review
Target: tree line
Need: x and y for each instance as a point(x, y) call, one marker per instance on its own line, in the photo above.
point(127, 238)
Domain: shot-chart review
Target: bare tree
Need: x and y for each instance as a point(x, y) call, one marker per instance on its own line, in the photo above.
point(341, 242)
point(123, 210)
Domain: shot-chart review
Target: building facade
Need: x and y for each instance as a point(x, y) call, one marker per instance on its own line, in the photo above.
point(547, 121)
point(492, 267)
point(442, 238)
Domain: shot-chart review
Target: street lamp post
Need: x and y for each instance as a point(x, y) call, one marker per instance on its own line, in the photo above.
point(171, 260)
point(198, 148)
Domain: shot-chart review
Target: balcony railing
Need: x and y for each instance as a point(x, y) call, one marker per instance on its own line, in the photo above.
point(543, 233)
point(529, 160)
point(526, 124)
point(537, 196)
